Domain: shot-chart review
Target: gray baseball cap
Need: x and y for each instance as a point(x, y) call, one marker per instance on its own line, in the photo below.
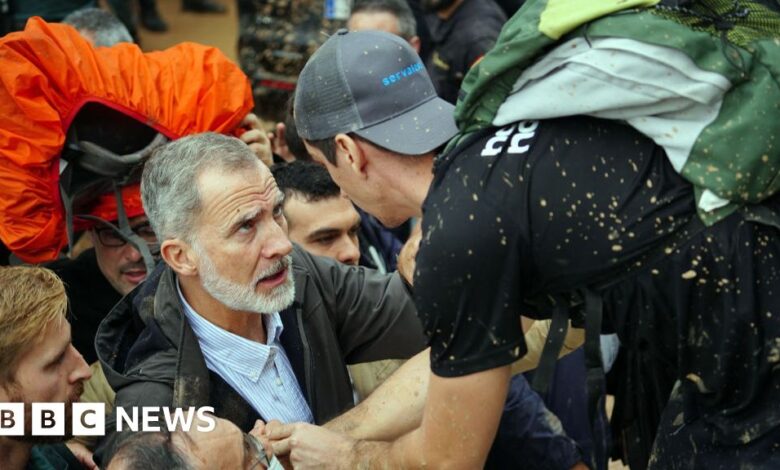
point(372, 83)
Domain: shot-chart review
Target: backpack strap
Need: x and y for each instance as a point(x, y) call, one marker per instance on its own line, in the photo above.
point(552, 346)
point(595, 379)
point(149, 251)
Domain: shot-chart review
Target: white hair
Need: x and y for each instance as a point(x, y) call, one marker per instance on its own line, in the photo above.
point(169, 187)
point(103, 28)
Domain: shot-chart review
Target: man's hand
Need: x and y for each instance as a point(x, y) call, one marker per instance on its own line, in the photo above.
point(82, 454)
point(310, 446)
point(257, 139)
point(279, 142)
point(259, 431)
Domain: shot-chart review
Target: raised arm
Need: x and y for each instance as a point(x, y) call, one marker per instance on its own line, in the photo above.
point(460, 420)
point(394, 409)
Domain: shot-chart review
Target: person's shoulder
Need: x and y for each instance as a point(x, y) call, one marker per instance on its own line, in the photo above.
point(312, 275)
point(86, 262)
point(133, 336)
point(484, 11)
point(52, 457)
point(305, 265)
point(485, 147)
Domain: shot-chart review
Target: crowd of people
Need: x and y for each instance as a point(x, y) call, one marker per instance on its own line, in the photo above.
point(471, 223)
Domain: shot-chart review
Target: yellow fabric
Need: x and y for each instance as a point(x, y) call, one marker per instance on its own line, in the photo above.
point(562, 16)
point(96, 390)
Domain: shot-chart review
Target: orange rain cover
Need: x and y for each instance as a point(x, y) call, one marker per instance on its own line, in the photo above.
point(48, 72)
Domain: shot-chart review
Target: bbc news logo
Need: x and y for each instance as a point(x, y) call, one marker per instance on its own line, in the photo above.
point(89, 419)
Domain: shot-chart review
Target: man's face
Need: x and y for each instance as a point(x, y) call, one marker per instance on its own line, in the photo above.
point(121, 264)
point(52, 371)
point(374, 20)
point(241, 243)
point(380, 21)
point(435, 5)
point(327, 227)
point(224, 447)
point(374, 198)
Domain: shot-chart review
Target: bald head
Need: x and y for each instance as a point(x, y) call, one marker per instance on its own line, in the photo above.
point(391, 16)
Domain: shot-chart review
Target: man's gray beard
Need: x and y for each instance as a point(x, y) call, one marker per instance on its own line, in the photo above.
point(245, 298)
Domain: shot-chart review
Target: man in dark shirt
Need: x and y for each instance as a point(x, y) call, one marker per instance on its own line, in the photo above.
point(536, 209)
point(99, 277)
point(462, 31)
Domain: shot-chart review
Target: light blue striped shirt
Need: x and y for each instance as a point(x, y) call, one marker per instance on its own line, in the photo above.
point(260, 373)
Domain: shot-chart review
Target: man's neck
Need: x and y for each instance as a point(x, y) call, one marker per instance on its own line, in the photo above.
point(410, 177)
point(14, 454)
point(248, 325)
point(446, 13)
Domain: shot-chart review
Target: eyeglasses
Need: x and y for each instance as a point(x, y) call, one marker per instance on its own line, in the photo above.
point(112, 239)
point(255, 456)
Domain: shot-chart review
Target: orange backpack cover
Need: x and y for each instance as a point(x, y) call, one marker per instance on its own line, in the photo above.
point(48, 72)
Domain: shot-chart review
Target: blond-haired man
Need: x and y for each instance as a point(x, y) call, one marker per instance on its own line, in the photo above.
point(38, 363)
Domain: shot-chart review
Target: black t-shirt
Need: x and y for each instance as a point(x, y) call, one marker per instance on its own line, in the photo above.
point(533, 207)
point(546, 207)
point(90, 298)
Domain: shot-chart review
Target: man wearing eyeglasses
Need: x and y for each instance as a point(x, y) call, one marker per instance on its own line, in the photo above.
point(223, 445)
point(98, 278)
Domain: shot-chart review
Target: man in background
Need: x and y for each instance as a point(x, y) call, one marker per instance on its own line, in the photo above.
point(324, 222)
point(99, 26)
point(100, 276)
point(392, 16)
point(462, 31)
point(38, 363)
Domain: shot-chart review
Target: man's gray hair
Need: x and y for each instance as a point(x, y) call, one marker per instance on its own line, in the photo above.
point(103, 28)
point(407, 25)
point(169, 188)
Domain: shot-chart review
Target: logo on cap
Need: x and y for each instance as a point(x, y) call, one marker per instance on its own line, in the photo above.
point(406, 72)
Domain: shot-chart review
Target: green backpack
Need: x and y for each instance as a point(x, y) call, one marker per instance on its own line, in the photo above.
point(699, 77)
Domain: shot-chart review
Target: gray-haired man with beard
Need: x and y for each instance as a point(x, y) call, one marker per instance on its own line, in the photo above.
point(238, 318)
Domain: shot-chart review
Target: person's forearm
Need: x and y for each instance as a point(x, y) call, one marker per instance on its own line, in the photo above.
point(406, 452)
point(393, 409)
point(460, 420)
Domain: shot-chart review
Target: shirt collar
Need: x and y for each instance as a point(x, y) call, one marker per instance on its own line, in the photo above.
point(243, 356)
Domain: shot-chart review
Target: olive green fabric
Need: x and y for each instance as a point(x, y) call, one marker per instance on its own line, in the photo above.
point(736, 157)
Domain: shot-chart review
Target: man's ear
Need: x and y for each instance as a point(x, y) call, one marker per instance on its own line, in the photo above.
point(416, 43)
point(349, 152)
point(179, 255)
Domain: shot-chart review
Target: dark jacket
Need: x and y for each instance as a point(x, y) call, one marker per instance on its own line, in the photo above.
point(459, 41)
point(341, 315)
point(52, 457)
point(90, 298)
